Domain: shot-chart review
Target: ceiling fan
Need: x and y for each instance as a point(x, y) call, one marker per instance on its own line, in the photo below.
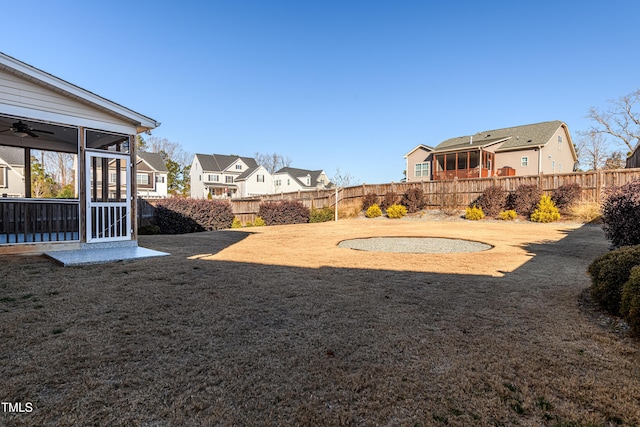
point(21, 130)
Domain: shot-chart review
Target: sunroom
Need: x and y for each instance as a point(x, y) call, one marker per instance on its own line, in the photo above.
point(66, 181)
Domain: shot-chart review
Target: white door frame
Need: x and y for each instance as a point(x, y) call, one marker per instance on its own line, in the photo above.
point(108, 220)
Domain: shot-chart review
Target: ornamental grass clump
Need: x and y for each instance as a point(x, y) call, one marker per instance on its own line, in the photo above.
point(474, 213)
point(609, 273)
point(236, 223)
point(546, 211)
point(396, 211)
point(373, 211)
point(621, 214)
point(509, 215)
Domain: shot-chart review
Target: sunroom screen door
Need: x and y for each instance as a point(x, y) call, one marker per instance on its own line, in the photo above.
point(108, 198)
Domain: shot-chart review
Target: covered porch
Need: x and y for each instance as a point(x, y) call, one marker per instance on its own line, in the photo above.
point(67, 175)
point(472, 163)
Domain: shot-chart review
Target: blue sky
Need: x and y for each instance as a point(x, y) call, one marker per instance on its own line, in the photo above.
point(353, 85)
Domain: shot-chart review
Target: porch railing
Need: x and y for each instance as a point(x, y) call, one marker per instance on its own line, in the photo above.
point(39, 220)
point(462, 174)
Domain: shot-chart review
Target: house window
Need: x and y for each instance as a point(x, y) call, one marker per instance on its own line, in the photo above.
point(559, 142)
point(422, 169)
point(214, 178)
point(308, 181)
point(3, 177)
point(142, 179)
point(112, 178)
point(260, 178)
point(462, 160)
point(160, 179)
point(559, 167)
point(277, 183)
point(288, 181)
point(239, 167)
point(228, 179)
point(524, 161)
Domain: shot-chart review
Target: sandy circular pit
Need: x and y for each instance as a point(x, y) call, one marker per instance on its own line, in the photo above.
point(414, 245)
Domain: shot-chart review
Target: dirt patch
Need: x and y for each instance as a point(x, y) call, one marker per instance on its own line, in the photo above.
point(279, 326)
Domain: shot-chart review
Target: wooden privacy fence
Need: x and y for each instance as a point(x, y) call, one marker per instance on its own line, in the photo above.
point(441, 194)
point(447, 194)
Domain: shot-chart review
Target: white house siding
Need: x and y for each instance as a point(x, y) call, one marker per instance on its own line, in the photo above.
point(513, 159)
point(287, 183)
point(250, 186)
point(13, 181)
point(24, 98)
point(198, 190)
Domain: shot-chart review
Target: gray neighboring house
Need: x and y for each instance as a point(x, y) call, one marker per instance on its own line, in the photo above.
point(11, 172)
point(151, 175)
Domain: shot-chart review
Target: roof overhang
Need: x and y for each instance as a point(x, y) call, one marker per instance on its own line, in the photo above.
point(34, 75)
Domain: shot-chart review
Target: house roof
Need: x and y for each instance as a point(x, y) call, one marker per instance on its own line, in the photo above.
point(420, 146)
point(221, 162)
point(12, 156)
point(154, 160)
point(301, 173)
point(56, 84)
point(512, 138)
point(247, 173)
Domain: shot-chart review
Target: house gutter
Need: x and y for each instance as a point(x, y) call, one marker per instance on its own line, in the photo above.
point(540, 159)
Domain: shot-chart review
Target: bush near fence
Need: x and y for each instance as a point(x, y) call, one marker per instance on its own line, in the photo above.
point(448, 194)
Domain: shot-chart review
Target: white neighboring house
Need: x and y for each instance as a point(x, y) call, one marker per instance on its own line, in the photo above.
point(151, 175)
point(216, 174)
point(255, 182)
point(11, 172)
point(288, 180)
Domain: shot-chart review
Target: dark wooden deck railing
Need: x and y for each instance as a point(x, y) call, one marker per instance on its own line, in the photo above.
point(39, 220)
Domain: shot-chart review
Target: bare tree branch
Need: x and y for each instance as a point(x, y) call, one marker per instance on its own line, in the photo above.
point(621, 120)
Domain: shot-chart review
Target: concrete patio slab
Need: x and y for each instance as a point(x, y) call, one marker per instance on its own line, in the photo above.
point(77, 257)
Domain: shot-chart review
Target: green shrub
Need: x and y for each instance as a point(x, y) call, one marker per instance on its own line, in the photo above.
point(283, 212)
point(492, 201)
point(236, 223)
point(259, 222)
point(369, 200)
point(389, 199)
point(566, 195)
point(322, 214)
point(546, 211)
point(609, 273)
point(621, 214)
point(396, 211)
point(525, 199)
point(473, 213)
point(413, 199)
point(509, 215)
point(630, 304)
point(373, 211)
point(178, 216)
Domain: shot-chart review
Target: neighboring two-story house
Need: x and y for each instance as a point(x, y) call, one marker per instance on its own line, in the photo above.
point(288, 180)
point(541, 148)
point(235, 176)
point(216, 174)
point(152, 175)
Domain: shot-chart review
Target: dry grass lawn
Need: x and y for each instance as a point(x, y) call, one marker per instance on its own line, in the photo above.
point(278, 326)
